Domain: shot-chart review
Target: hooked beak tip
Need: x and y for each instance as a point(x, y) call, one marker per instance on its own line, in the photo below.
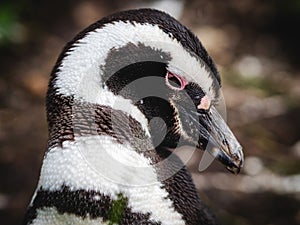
point(232, 160)
point(237, 161)
point(233, 170)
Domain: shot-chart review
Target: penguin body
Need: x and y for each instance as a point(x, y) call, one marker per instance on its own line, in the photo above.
point(108, 159)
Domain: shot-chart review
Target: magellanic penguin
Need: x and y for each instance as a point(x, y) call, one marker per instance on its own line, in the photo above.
point(123, 95)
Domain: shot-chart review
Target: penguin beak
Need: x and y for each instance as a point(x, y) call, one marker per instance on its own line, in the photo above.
point(221, 143)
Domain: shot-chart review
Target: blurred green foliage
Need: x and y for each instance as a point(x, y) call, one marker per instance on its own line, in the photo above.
point(8, 23)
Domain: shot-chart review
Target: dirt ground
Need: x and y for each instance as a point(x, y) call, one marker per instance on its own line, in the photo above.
point(256, 47)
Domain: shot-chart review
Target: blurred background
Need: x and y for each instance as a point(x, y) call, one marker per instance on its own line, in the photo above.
point(256, 47)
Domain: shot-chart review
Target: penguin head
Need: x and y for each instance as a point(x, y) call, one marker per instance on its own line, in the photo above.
point(149, 66)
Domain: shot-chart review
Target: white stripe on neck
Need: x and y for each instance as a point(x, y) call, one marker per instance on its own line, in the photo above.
point(101, 164)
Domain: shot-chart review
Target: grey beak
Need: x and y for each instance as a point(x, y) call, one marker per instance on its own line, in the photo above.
point(222, 144)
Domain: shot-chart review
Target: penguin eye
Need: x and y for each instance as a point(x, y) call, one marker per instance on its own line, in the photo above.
point(175, 81)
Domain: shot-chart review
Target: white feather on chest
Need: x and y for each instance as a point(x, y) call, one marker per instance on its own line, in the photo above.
point(101, 164)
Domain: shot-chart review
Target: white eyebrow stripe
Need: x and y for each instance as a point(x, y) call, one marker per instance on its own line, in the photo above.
point(83, 61)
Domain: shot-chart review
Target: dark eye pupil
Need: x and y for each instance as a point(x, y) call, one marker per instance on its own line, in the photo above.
point(174, 81)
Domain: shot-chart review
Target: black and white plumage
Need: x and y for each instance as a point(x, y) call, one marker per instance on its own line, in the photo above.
point(109, 158)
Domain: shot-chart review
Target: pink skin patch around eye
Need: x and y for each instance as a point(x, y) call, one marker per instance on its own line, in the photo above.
point(180, 80)
point(204, 103)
